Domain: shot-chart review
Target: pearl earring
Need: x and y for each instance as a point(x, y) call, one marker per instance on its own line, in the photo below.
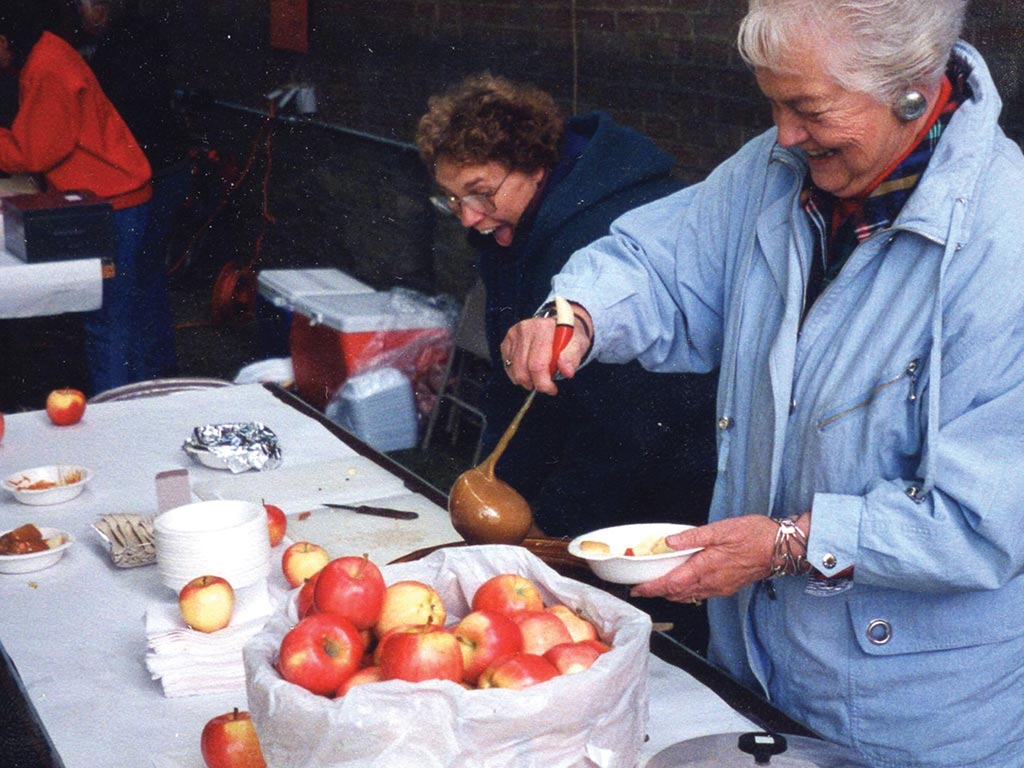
point(910, 106)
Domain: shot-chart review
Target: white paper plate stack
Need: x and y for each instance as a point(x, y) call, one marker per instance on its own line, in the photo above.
point(218, 538)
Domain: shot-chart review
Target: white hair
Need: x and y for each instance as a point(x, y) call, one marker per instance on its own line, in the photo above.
point(878, 47)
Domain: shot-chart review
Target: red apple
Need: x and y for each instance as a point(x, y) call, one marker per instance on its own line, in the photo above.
point(597, 645)
point(508, 592)
point(485, 637)
point(1, 427)
point(375, 656)
point(320, 653)
point(409, 602)
point(371, 674)
point(541, 630)
point(579, 628)
point(569, 658)
point(206, 603)
point(277, 523)
point(301, 560)
point(304, 603)
point(351, 587)
point(65, 406)
point(230, 741)
point(421, 653)
point(518, 671)
point(369, 647)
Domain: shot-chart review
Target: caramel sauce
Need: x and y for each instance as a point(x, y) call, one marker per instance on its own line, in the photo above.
point(486, 510)
point(22, 541)
point(27, 484)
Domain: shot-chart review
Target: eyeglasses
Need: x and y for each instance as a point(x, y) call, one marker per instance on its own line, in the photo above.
point(481, 202)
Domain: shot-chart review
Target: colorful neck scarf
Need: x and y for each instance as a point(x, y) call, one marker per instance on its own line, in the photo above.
point(846, 222)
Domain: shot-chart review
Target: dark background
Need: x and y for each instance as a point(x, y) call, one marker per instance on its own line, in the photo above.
point(666, 67)
point(345, 188)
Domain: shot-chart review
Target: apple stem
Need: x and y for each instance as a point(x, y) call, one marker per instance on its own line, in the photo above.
point(362, 565)
point(234, 715)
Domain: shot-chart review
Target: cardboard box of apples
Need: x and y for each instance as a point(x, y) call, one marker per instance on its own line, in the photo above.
point(596, 716)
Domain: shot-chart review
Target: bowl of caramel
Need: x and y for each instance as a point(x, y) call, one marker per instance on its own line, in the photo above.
point(31, 548)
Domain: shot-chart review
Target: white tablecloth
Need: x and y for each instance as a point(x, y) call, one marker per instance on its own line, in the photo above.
point(47, 288)
point(75, 631)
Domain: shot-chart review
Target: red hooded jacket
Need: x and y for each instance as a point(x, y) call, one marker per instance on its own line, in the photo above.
point(68, 130)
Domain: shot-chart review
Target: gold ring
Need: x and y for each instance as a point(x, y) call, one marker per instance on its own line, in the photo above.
point(508, 363)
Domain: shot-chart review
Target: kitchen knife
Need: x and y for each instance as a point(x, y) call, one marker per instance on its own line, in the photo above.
point(364, 509)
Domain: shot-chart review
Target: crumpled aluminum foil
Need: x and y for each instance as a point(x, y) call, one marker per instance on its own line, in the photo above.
point(238, 447)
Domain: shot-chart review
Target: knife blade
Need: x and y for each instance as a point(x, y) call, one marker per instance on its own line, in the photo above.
point(366, 509)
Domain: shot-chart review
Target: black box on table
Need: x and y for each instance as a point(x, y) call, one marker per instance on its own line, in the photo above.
point(58, 226)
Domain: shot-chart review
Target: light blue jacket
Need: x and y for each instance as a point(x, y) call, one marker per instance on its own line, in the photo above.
point(895, 411)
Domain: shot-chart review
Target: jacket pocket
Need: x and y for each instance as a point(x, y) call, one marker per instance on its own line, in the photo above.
point(908, 376)
point(876, 432)
point(890, 623)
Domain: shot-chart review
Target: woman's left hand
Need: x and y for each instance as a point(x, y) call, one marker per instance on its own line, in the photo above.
point(736, 552)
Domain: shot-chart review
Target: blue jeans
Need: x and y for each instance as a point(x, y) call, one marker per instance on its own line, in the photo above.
point(117, 334)
point(170, 188)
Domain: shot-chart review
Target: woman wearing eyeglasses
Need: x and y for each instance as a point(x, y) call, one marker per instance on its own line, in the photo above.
point(531, 188)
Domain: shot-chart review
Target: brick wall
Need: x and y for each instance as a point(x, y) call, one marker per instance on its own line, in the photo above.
point(666, 67)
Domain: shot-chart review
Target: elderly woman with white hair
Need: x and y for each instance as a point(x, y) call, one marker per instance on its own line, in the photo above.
point(856, 272)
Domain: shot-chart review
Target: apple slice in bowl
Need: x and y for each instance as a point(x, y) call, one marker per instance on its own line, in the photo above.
point(630, 554)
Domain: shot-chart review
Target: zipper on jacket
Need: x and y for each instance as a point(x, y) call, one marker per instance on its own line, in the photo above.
point(911, 373)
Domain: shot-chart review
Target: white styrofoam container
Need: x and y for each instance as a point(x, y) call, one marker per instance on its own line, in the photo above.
point(378, 407)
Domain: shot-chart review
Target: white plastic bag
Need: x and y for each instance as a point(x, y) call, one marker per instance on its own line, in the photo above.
point(593, 718)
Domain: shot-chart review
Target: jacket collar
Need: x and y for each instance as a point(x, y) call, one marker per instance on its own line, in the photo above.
point(958, 165)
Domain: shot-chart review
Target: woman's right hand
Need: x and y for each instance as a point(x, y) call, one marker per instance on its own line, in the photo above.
point(526, 351)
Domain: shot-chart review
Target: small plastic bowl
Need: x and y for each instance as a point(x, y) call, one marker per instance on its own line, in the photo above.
point(62, 482)
point(617, 567)
point(36, 561)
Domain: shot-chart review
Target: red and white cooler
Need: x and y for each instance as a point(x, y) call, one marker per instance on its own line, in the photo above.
point(280, 289)
point(336, 336)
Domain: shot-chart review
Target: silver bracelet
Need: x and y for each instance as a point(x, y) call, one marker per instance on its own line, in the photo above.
point(789, 552)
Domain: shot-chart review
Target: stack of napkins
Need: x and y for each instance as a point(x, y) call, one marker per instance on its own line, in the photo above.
point(187, 662)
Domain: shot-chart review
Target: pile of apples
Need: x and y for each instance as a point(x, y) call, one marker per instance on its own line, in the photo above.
point(354, 629)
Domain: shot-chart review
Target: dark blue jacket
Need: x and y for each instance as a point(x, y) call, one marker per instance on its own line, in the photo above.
point(617, 444)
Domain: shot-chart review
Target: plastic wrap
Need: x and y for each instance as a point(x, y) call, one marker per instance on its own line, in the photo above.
point(593, 718)
point(336, 337)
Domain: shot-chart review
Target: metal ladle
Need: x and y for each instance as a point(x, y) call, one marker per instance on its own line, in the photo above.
point(484, 509)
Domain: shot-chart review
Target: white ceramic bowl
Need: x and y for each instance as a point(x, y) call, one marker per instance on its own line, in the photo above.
point(619, 568)
point(63, 482)
point(218, 538)
point(36, 561)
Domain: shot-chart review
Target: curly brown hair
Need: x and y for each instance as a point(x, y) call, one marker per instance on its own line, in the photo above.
point(487, 118)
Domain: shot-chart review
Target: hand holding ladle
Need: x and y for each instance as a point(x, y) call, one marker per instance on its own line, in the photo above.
point(484, 509)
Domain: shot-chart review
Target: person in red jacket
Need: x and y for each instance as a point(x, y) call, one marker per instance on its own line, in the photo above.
point(68, 131)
